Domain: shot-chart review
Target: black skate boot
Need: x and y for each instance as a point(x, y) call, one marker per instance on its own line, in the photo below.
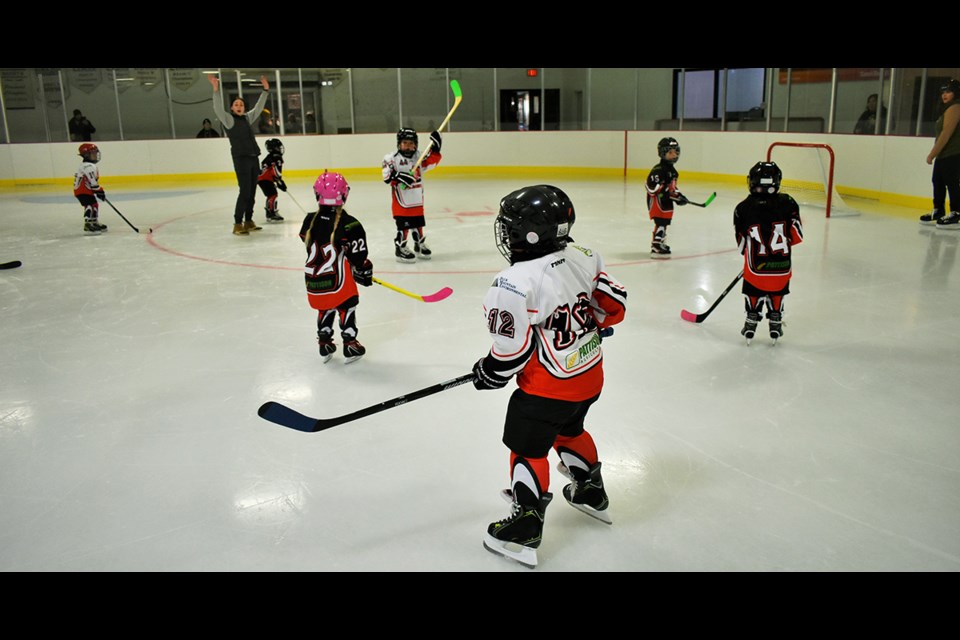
point(274, 217)
point(750, 326)
point(951, 221)
point(403, 254)
point(659, 251)
point(352, 351)
point(420, 247)
point(776, 325)
point(327, 347)
point(91, 228)
point(518, 536)
point(586, 493)
point(931, 218)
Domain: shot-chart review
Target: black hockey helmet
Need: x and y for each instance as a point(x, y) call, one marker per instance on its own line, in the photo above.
point(274, 146)
point(407, 134)
point(532, 222)
point(666, 144)
point(764, 178)
point(952, 85)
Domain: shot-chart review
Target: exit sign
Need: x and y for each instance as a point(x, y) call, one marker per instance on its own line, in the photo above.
point(532, 73)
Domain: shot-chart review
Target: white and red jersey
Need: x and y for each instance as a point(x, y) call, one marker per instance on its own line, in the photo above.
point(86, 182)
point(543, 315)
point(408, 201)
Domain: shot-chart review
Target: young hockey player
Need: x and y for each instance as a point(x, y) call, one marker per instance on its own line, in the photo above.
point(271, 178)
point(767, 225)
point(544, 313)
point(662, 194)
point(337, 262)
point(406, 190)
point(86, 188)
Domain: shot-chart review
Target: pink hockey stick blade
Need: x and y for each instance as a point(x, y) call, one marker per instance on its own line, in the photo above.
point(439, 295)
point(686, 315)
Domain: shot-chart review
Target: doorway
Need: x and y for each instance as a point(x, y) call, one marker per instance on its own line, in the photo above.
point(524, 110)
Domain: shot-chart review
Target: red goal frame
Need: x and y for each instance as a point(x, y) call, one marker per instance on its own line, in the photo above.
point(815, 145)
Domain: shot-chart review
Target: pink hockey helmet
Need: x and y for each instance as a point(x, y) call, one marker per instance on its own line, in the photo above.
point(331, 189)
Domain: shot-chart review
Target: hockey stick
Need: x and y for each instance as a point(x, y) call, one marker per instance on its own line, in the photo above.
point(11, 265)
point(457, 97)
point(694, 317)
point(433, 297)
point(705, 202)
point(296, 203)
point(287, 417)
point(121, 215)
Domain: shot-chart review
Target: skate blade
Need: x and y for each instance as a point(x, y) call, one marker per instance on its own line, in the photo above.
point(406, 260)
point(351, 359)
point(327, 358)
point(512, 551)
point(660, 256)
point(602, 516)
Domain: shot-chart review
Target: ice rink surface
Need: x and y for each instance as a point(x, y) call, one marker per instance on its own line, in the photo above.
point(132, 367)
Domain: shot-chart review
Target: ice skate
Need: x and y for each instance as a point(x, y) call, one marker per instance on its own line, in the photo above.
point(776, 325)
point(659, 251)
point(750, 326)
point(931, 218)
point(327, 348)
point(91, 228)
point(403, 254)
point(274, 217)
point(240, 230)
point(951, 221)
point(421, 249)
point(518, 536)
point(587, 493)
point(352, 351)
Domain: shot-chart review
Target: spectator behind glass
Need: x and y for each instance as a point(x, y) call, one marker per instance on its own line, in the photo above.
point(207, 131)
point(867, 122)
point(81, 129)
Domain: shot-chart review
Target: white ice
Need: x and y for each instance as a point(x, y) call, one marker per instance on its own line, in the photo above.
point(132, 367)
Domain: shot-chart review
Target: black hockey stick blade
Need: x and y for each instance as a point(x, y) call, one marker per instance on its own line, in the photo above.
point(287, 417)
point(705, 202)
point(121, 215)
point(11, 265)
point(700, 317)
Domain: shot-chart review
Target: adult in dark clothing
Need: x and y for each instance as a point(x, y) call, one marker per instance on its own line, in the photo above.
point(244, 149)
point(81, 129)
point(207, 131)
point(867, 122)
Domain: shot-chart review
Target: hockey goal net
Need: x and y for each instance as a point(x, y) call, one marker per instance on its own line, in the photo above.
point(808, 175)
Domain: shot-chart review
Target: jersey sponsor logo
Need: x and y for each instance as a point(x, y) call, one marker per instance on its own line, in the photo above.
point(558, 262)
point(780, 264)
point(585, 353)
point(505, 284)
point(583, 250)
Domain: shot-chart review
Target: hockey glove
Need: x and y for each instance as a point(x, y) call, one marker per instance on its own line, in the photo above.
point(406, 179)
point(281, 185)
point(435, 139)
point(364, 275)
point(487, 380)
point(679, 198)
point(101, 194)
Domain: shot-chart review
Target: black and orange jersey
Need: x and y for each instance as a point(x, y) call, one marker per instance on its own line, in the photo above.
point(330, 255)
point(767, 227)
point(271, 169)
point(661, 185)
